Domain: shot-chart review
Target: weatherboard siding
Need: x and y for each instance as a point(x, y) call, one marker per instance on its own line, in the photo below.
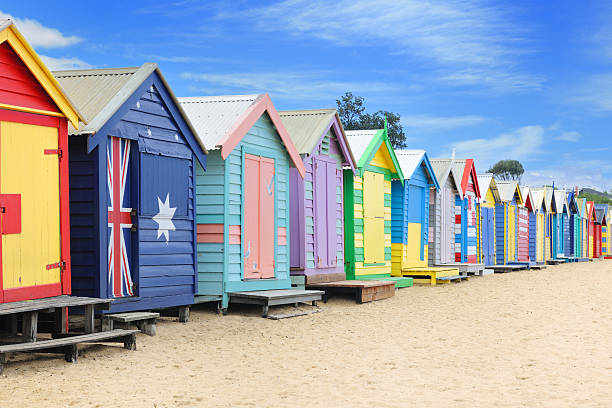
point(164, 272)
point(303, 202)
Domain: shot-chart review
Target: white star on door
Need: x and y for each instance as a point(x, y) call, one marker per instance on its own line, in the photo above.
point(164, 218)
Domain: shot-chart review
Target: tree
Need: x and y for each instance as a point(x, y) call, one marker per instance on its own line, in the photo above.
point(506, 170)
point(353, 117)
point(350, 109)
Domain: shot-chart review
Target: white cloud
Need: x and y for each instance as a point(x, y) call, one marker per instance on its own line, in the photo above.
point(572, 136)
point(521, 144)
point(40, 36)
point(595, 93)
point(287, 85)
point(56, 64)
point(474, 43)
point(581, 173)
point(426, 122)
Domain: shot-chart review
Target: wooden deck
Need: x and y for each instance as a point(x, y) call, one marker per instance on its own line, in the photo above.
point(555, 261)
point(433, 275)
point(363, 290)
point(464, 268)
point(146, 322)
point(400, 281)
point(267, 298)
point(68, 344)
point(48, 304)
point(507, 268)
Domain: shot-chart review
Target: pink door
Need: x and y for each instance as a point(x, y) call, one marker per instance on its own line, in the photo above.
point(259, 217)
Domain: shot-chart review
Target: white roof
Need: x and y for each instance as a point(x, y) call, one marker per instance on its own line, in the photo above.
point(443, 168)
point(214, 116)
point(506, 190)
point(537, 197)
point(359, 140)
point(409, 160)
point(561, 200)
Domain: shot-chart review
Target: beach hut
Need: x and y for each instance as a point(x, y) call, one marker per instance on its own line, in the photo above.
point(35, 257)
point(601, 222)
point(316, 201)
point(367, 205)
point(525, 240)
point(410, 211)
point(608, 237)
point(573, 247)
point(489, 199)
point(591, 219)
point(442, 219)
point(559, 222)
point(549, 197)
point(466, 214)
point(506, 223)
point(132, 189)
point(584, 228)
point(243, 217)
point(537, 225)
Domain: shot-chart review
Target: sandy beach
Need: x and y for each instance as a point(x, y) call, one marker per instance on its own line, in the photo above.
point(529, 338)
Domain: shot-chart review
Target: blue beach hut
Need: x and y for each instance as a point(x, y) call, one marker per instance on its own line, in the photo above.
point(132, 194)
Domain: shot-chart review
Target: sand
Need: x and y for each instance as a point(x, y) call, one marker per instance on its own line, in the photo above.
point(529, 338)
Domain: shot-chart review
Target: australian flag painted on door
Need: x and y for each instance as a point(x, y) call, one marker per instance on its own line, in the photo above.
point(120, 282)
point(132, 192)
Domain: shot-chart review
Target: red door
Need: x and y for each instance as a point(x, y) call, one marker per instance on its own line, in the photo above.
point(259, 217)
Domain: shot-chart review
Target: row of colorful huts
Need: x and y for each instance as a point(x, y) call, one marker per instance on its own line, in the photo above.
point(112, 187)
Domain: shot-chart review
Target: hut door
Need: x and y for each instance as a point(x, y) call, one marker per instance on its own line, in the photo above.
point(119, 198)
point(374, 217)
point(259, 217)
point(325, 213)
point(30, 214)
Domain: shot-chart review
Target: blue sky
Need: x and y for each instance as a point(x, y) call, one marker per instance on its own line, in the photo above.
point(524, 80)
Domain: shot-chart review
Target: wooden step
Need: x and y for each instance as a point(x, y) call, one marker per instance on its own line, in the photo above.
point(277, 297)
point(363, 290)
point(68, 344)
point(145, 321)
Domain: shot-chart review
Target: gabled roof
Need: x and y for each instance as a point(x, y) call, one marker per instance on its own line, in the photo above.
point(365, 143)
point(307, 128)
point(582, 207)
point(466, 168)
point(486, 181)
point(410, 160)
point(101, 93)
point(572, 204)
point(549, 198)
point(601, 211)
point(222, 121)
point(507, 190)
point(10, 34)
point(527, 197)
point(561, 201)
point(537, 199)
point(443, 169)
point(591, 211)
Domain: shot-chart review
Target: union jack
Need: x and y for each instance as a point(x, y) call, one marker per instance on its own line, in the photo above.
point(119, 218)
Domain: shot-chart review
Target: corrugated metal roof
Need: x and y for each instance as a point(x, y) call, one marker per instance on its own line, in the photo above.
point(96, 92)
point(307, 126)
point(443, 168)
point(359, 140)
point(214, 116)
point(486, 183)
point(409, 160)
point(561, 200)
point(601, 211)
point(506, 189)
point(459, 166)
point(101, 92)
point(537, 196)
point(4, 23)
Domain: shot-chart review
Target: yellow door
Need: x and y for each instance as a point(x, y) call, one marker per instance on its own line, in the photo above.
point(373, 218)
point(540, 238)
point(511, 233)
point(26, 170)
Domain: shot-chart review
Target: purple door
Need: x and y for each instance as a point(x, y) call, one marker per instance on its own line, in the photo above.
point(325, 212)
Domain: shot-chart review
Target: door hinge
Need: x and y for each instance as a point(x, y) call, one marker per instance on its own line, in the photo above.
point(54, 151)
point(58, 265)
